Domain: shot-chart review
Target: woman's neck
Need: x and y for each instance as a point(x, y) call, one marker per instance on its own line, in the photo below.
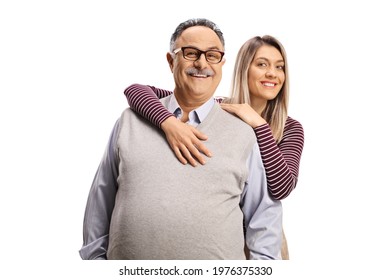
point(258, 105)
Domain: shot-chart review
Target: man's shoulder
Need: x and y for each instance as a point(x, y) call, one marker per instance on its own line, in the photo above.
point(126, 111)
point(128, 116)
point(166, 100)
point(233, 120)
point(125, 114)
point(235, 126)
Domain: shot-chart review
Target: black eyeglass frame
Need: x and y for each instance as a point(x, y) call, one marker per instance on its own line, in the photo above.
point(200, 52)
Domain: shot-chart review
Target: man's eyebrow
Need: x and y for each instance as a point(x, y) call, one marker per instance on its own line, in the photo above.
point(212, 48)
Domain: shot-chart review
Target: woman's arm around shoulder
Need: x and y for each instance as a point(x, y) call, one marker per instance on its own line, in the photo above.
point(145, 101)
point(185, 140)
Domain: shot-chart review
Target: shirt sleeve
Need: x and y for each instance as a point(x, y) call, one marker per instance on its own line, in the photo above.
point(281, 160)
point(262, 213)
point(144, 100)
point(100, 204)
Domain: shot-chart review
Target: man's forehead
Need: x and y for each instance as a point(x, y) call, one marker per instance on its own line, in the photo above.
point(201, 37)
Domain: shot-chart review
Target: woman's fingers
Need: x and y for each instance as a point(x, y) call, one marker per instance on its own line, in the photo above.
point(186, 141)
point(245, 112)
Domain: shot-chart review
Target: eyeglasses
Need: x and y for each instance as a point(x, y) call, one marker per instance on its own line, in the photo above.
point(193, 54)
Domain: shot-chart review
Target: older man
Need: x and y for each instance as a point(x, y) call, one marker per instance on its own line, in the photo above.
point(138, 210)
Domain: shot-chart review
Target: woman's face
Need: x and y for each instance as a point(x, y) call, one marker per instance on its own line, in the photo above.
point(266, 73)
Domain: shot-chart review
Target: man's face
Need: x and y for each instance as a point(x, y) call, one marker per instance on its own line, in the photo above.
point(196, 81)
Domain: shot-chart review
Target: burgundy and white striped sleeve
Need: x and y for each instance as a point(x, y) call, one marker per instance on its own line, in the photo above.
point(281, 161)
point(145, 101)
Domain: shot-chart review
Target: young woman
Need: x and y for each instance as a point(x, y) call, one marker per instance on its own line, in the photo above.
point(259, 96)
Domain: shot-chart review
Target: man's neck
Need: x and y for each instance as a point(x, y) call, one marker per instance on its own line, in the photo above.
point(188, 105)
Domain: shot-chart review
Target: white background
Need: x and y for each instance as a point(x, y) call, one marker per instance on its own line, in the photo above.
point(64, 66)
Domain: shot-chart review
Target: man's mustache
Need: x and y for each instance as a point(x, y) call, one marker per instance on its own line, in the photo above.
point(204, 72)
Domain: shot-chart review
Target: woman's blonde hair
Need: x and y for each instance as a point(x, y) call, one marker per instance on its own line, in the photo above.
point(275, 112)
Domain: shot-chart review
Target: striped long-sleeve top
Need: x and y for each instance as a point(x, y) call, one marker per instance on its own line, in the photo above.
point(281, 160)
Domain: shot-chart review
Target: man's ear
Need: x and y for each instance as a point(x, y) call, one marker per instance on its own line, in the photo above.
point(170, 60)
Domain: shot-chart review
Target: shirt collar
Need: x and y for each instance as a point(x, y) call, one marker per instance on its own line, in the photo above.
point(195, 116)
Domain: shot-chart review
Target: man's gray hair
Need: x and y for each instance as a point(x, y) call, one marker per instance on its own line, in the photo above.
point(195, 22)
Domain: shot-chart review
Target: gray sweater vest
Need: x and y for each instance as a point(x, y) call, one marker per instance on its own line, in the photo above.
point(167, 210)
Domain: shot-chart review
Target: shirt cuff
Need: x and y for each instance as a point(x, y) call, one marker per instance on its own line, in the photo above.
point(96, 250)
